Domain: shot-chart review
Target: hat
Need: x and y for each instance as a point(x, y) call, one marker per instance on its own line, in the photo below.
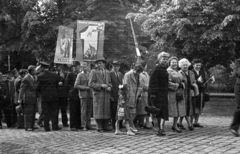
point(101, 59)
point(76, 63)
point(42, 63)
point(195, 61)
point(22, 71)
point(8, 72)
point(141, 63)
point(84, 63)
point(115, 62)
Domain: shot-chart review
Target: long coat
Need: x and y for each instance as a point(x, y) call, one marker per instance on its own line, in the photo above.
point(134, 89)
point(158, 86)
point(28, 90)
point(101, 97)
point(200, 99)
point(237, 86)
point(116, 81)
point(143, 102)
point(47, 86)
point(189, 80)
point(17, 84)
point(175, 108)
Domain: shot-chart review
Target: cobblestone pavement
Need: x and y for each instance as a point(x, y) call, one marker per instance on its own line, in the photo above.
point(214, 138)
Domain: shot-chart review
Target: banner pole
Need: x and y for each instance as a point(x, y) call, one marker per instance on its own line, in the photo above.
point(135, 40)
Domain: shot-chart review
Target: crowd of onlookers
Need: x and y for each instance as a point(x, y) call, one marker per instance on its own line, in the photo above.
point(114, 100)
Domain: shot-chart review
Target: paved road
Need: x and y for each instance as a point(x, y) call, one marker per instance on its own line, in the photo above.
point(214, 138)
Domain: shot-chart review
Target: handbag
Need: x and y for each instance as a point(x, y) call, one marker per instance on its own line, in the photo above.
point(206, 97)
point(179, 96)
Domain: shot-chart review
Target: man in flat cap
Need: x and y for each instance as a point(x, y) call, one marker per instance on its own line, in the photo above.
point(28, 94)
point(132, 79)
point(47, 87)
point(100, 82)
point(116, 80)
point(74, 101)
point(85, 96)
point(158, 90)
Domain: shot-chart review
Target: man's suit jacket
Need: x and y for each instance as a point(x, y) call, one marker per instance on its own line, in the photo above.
point(17, 85)
point(28, 90)
point(81, 83)
point(116, 81)
point(47, 86)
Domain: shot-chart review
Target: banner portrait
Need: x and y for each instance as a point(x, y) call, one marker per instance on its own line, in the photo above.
point(64, 48)
point(90, 39)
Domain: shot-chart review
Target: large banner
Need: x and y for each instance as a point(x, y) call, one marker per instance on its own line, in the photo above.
point(90, 39)
point(64, 49)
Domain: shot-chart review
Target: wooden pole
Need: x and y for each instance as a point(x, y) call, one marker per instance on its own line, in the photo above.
point(135, 40)
point(9, 63)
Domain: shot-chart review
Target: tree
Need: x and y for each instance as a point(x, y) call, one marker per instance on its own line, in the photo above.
point(194, 29)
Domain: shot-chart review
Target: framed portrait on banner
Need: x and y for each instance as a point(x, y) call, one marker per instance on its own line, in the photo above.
point(64, 48)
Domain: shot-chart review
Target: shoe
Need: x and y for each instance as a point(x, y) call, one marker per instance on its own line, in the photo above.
point(85, 129)
point(29, 129)
point(130, 133)
point(34, 127)
point(161, 133)
point(197, 125)
point(100, 131)
point(181, 126)
point(234, 132)
point(56, 129)
point(66, 125)
point(73, 129)
point(47, 130)
point(176, 130)
point(107, 130)
point(133, 130)
point(118, 133)
point(40, 125)
point(190, 128)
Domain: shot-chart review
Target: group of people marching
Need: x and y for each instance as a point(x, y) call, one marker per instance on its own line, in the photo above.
point(171, 89)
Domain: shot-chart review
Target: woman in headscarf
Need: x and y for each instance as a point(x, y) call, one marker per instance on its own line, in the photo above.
point(190, 90)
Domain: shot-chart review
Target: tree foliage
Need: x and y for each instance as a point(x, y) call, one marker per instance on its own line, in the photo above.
point(30, 27)
point(206, 29)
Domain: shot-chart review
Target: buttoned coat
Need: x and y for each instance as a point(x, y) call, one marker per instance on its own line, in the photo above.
point(47, 86)
point(116, 81)
point(189, 92)
point(134, 89)
point(101, 97)
point(28, 90)
point(143, 102)
point(158, 86)
point(175, 108)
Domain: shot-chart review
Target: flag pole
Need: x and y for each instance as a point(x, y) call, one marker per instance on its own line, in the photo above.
point(135, 40)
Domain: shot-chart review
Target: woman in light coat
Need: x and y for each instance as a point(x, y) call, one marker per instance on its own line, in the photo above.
point(190, 90)
point(176, 106)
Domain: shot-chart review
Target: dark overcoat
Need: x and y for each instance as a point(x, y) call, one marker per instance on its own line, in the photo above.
point(47, 86)
point(116, 81)
point(200, 98)
point(158, 86)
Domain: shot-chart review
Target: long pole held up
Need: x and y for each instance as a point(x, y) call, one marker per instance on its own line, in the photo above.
point(135, 40)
